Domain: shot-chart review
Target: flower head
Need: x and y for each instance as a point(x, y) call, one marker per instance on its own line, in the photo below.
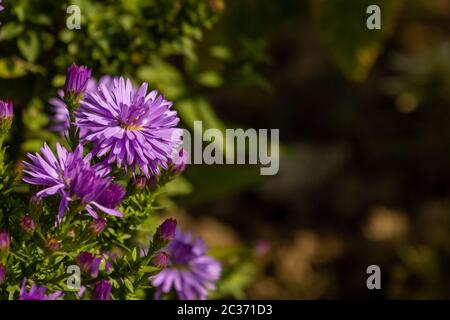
point(189, 271)
point(102, 290)
point(5, 241)
point(129, 127)
point(37, 292)
point(27, 224)
point(72, 177)
point(76, 80)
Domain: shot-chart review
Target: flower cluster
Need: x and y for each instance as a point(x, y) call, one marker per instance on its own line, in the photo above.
point(72, 176)
point(88, 198)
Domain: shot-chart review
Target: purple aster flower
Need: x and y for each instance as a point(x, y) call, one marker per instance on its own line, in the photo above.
point(72, 177)
point(97, 226)
point(27, 224)
point(5, 240)
point(178, 161)
point(1, 7)
point(61, 118)
point(189, 271)
point(102, 290)
point(37, 292)
point(6, 109)
point(90, 263)
point(2, 273)
point(129, 127)
point(76, 80)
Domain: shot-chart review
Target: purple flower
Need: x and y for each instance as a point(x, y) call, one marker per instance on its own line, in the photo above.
point(76, 80)
point(72, 177)
point(2, 273)
point(179, 160)
point(112, 196)
point(6, 109)
point(166, 231)
point(102, 290)
point(27, 224)
point(129, 127)
point(5, 240)
point(61, 118)
point(37, 293)
point(160, 260)
point(97, 226)
point(90, 263)
point(190, 271)
point(1, 7)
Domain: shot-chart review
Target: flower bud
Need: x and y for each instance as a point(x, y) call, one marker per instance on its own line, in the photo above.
point(6, 109)
point(5, 241)
point(6, 117)
point(76, 81)
point(36, 205)
point(71, 233)
point(160, 259)
point(52, 244)
point(141, 182)
point(166, 231)
point(27, 224)
point(102, 290)
point(97, 226)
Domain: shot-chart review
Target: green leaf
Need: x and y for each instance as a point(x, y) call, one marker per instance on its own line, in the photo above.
point(210, 79)
point(29, 46)
point(164, 77)
point(178, 186)
point(148, 269)
point(341, 25)
point(10, 31)
point(128, 284)
point(13, 67)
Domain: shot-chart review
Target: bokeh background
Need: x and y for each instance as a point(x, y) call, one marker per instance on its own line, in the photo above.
point(364, 119)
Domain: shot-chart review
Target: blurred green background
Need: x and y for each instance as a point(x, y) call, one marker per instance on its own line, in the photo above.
point(364, 119)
